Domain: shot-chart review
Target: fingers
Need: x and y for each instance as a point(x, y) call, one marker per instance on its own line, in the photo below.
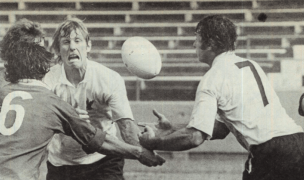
point(84, 116)
point(160, 159)
point(161, 118)
point(150, 131)
point(81, 111)
point(150, 158)
point(146, 139)
point(144, 124)
point(157, 114)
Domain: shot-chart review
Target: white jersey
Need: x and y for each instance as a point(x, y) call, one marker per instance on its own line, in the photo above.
point(102, 89)
point(237, 92)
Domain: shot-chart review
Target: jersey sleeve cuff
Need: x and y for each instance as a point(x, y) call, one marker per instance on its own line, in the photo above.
point(96, 142)
point(209, 135)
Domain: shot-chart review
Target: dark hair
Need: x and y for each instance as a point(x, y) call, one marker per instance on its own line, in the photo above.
point(218, 32)
point(23, 57)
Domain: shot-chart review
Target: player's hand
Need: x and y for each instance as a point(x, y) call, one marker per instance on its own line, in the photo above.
point(150, 158)
point(83, 114)
point(161, 128)
point(97, 116)
point(147, 137)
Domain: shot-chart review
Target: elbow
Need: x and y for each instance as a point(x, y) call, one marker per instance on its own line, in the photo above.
point(197, 138)
point(219, 136)
point(301, 106)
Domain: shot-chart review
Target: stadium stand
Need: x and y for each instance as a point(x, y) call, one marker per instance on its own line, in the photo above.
point(169, 25)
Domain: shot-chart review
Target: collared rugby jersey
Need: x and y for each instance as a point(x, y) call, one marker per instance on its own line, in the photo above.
point(101, 89)
point(236, 91)
point(30, 115)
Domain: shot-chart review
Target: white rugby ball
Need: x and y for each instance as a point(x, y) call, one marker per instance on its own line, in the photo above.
point(141, 57)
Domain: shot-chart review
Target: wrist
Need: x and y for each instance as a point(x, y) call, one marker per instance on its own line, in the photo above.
point(138, 152)
point(153, 143)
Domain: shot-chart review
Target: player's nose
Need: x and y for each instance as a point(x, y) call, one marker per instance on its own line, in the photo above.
point(72, 46)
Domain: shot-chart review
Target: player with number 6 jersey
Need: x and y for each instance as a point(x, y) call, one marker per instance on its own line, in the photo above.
point(30, 115)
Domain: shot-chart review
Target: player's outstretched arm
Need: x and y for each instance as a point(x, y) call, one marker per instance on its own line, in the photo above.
point(112, 146)
point(301, 105)
point(129, 131)
point(163, 126)
point(183, 139)
point(95, 140)
point(168, 138)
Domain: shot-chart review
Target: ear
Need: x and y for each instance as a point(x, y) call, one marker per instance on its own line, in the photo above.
point(89, 46)
point(209, 48)
point(206, 47)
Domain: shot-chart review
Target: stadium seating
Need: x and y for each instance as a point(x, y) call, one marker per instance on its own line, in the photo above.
point(169, 25)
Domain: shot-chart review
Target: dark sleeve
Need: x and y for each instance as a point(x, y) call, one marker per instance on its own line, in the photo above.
point(83, 132)
point(300, 106)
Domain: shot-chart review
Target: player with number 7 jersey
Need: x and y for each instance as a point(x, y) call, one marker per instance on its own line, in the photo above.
point(235, 96)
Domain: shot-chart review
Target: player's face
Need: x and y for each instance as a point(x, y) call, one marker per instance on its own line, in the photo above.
point(74, 50)
point(203, 52)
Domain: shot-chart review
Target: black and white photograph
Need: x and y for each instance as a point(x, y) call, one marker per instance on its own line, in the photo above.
point(152, 90)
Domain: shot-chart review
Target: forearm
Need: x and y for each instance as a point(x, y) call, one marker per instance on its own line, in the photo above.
point(182, 139)
point(129, 131)
point(113, 146)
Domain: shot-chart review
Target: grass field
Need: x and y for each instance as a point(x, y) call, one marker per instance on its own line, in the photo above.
point(196, 167)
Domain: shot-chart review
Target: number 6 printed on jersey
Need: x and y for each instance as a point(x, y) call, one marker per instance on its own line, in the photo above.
point(6, 107)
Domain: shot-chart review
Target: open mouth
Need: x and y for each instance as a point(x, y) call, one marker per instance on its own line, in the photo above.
point(73, 57)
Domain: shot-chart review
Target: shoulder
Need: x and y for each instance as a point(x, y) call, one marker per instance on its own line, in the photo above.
point(103, 73)
point(55, 104)
point(53, 75)
point(101, 69)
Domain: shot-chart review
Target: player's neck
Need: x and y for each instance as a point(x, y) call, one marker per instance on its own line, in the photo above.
point(75, 76)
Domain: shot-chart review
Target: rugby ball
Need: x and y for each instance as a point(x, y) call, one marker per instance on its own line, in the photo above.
point(141, 57)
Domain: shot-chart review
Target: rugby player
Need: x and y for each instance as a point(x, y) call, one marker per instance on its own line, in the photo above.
point(31, 113)
point(94, 88)
point(235, 96)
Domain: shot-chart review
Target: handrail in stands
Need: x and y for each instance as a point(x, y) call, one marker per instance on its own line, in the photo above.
point(248, 13)
point(168, 24)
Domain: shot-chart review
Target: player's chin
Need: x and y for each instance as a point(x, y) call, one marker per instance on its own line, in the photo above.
point(76, 64)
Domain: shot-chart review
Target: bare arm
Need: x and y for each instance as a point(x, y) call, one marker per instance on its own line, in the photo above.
point(301, 105)
point(220, 131)
point(129, 131)
point(168, 137)
point(110, 145)
point(183, 139)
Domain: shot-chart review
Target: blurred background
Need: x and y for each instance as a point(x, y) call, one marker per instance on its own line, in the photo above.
point(269, 32)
